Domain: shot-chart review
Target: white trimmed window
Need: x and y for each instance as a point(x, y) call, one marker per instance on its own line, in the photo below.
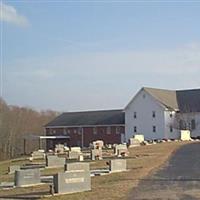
point(193, 124)
point(171, 128)
point(65, 131)
point(154, 114)
point(94, 130)
point(108, 130)
point(79, 130)
point(135, 129)
point(75, 131)
point(135, 115)
point(117, 130)
point(154, 129)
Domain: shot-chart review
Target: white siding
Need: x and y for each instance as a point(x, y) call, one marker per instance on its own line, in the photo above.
point(144, 104)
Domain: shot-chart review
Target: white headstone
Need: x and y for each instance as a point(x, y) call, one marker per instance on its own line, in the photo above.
point(185, 135)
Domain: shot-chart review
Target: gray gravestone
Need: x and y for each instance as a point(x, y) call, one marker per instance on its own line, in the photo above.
point(121, 147)
point(96, 154)
point(37, 155)
point(77, 166)
point(74, 155)
point(27, 177)
point(117, 165)
point(72, 181)
point(13, 168)
point(55, 161)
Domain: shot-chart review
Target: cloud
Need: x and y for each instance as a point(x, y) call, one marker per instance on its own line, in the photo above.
point(9, 14)
point(177, 61)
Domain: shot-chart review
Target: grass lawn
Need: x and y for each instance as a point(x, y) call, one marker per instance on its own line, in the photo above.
point(142, 161)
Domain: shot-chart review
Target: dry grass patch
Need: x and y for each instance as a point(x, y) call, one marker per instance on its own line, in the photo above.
point(142, 161)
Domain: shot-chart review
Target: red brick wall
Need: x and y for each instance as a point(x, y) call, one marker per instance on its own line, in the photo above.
point(75, 134)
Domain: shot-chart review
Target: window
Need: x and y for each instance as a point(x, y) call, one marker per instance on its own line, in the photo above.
point(182, 125)
point(154, 129)
point(94, 130)
point(143, 96)
point(68, 131)
point(171, 128)
point(78, 143)
point(134, 115)
point(80, 131)
point(117, 130)
point(135, 129)
point(75, 131)
point(108, 130)
point(153, 114)
point(193, 124)
point(170, 115)
point(65, 131)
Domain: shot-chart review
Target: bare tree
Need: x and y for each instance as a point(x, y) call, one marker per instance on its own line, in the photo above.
point(184, 121)
point(15, 123)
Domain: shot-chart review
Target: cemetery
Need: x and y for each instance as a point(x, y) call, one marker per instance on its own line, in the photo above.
point(63, 172)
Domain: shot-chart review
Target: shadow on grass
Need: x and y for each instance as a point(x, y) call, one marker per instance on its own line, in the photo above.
point(170, 179)
point(34, 195)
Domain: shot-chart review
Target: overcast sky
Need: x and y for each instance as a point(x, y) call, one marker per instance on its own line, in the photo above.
point(75, 55)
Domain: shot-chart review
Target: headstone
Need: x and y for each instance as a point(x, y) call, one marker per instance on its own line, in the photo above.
point(41, 150)
point(117, 165)
point(96, 154)
point(185, 135)
point(37, 155)
point(59, 148)
point(13, 168)
point(55, 161)
point(77, 149)
point(146, 143)
point(120, 149)
point(73, 155)
point(81, 157)
point(27, 177)
point(77, 166)
point(72, 181)
point(134, 142)
point(139, 137)
point(109, 146)
point(122, 153)
point(98, 144)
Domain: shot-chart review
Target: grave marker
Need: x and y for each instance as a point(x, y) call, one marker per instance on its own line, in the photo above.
point(77, 166)
point(13, 168)
point(117, 165)
point(55, 161)
point(72, 181)
point(27, 177)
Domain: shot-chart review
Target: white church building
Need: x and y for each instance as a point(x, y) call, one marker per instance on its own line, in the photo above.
point(161, 114)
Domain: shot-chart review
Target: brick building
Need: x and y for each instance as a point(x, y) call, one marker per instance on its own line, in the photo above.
point(82, 128)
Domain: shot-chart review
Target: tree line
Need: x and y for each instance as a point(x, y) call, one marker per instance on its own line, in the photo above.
point(15, 125)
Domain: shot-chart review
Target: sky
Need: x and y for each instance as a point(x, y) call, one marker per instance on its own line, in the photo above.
point(89, 55)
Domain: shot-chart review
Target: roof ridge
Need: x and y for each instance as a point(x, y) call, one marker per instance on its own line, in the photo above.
point(151, 88)
point(90, 111)
point(185, 90)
